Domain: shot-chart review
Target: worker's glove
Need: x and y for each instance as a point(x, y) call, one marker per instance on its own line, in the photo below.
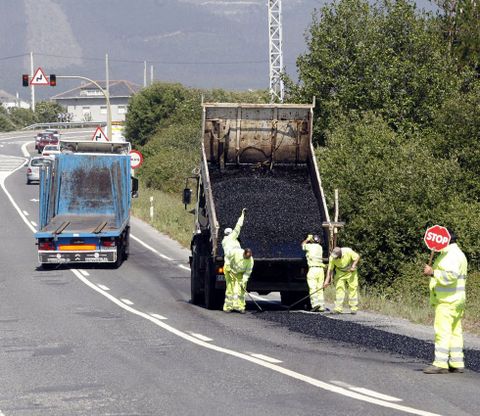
point(309, 237)
point(244, 210)
point(245, 281)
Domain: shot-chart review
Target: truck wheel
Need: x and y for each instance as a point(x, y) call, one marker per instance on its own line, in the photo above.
point(126, 251)
point(289, 298)
point(214, 298)
point(195, 280)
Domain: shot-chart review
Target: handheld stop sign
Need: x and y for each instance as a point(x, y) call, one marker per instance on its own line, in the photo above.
point(436, 238)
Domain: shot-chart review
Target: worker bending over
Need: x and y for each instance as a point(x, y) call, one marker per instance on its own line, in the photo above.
point(315, 276)
point(447, 295)
point(230, 242)
point(241, 266)
point(343, 261)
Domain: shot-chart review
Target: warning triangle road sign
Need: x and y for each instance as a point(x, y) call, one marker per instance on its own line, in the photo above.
point(99, 136)
point(39, 78)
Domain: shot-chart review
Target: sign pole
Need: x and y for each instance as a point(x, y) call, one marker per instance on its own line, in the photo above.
point(431, 258)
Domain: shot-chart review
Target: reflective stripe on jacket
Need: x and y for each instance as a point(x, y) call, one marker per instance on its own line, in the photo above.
point(447, 285)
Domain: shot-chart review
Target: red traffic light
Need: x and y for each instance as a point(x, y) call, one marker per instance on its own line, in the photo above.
point(53, 80)
point(25, 80)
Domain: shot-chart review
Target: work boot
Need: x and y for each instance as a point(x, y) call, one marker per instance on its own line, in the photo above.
point(336, 312)
point(433, 369)
point(242, 311)
point(456, 369)
point(315, 308)
point(353, 312)
point(227, 310)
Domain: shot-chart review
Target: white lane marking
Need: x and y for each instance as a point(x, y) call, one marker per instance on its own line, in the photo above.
point(367, 392)
point(25, 213)
point(84, 272)
point(163, 256)
point(274, 367)
point(267, 358)
point(33, 223)
point(156, 315)
point(126, 301)
point(2, 185)
point(200, 336)
point(184, 267)
point(103, 287)
point(24, 149)
point(293, 374)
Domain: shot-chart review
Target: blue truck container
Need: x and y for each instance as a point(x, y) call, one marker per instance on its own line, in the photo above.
point(85, 199)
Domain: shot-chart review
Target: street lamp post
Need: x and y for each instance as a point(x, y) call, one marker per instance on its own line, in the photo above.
point(105, 93)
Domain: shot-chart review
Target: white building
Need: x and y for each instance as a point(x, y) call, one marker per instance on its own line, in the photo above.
point(87, 102)
point(10, 101)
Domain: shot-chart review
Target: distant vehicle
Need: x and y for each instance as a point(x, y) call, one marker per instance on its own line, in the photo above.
point(55, 133)
point(33, 167)
point(51, 150)
point(45, 139)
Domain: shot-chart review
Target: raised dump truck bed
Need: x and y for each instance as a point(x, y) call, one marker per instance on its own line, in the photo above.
point(258, 157)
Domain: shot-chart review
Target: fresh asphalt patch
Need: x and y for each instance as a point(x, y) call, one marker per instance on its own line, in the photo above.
point(347, 331)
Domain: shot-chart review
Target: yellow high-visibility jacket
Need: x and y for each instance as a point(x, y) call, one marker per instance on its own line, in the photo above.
point(230, 241)
point(314, 253)
point(342, 265)
point(240, 265)
point(447, 285)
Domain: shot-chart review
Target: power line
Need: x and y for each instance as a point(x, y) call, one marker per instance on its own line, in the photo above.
point(154, 61)
point(4, 58)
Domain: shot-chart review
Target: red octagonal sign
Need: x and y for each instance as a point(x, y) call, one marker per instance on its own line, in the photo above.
point(437, 238)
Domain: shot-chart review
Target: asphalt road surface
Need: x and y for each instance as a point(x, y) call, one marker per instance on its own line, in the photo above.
point(99, 341)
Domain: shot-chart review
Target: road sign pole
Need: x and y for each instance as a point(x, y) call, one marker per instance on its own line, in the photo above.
point(431, 258)
point(32, 86)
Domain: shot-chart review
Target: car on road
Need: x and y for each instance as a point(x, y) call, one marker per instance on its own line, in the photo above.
point(48, 137)
point(51, 150)
point(34, 165)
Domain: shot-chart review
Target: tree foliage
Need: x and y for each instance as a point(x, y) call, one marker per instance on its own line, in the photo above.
point(48, 111)
point(385, 57)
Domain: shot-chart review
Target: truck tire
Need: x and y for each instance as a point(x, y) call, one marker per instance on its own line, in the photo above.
point(214, 298)
point(196, 294)
point(126, 251)
point(289, 298)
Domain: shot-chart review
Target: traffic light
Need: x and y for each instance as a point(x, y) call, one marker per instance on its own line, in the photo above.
point(53, 80)
point(25, 80)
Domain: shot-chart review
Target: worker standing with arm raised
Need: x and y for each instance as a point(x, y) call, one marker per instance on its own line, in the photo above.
point(447, 296)
point(315, 275)
point(343, 261)
point(229, 243)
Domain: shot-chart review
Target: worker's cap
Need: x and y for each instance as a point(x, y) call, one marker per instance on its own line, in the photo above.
point(337, 252)
point(316, 238)
point(228, 231)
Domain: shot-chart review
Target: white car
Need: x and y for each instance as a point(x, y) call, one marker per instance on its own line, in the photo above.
point(34, 165)
point(51, 150)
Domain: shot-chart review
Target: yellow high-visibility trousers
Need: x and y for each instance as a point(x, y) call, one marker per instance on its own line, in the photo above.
point(315, 279)
point(448, 335)
point(351, 281)
point(229, 289)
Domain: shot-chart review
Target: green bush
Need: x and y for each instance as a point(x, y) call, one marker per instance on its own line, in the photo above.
point(22, 117)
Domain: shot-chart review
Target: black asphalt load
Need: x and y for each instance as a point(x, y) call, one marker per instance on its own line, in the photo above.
point(319, 326)
point(282, 208)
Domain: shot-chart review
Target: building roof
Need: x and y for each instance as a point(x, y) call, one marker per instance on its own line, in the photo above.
point(88, 90)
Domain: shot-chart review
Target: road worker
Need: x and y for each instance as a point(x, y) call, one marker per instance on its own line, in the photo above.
point(447, 296)
point(241, 266)
point(343, 261)
point(315, 276)
point(230, 242)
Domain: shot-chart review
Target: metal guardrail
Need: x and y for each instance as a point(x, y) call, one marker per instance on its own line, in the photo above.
point(65, 125)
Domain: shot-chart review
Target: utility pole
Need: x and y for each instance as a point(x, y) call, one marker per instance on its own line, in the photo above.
point(32, 86)
point(275, 49)
point(151, 74)
point(109, 107)
point(144, 74)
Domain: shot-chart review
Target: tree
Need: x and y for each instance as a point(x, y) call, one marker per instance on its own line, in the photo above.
point(22, 117)
point(48, 111)
point(387, 57)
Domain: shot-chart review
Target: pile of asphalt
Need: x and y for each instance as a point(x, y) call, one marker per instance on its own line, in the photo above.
point(282, 208)
point(319, 326)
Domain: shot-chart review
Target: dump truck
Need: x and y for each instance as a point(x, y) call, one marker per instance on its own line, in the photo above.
point(85, 199)
point(259, 157)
